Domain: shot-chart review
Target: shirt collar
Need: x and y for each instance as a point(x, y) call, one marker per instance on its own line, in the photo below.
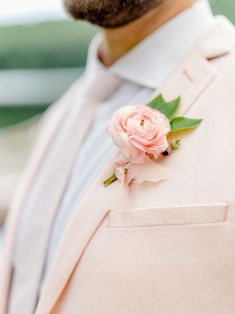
point(151, 61)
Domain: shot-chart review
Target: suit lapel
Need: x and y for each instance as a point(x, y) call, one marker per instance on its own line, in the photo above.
point(49, 130)
point(90, 213)
point(190, 79)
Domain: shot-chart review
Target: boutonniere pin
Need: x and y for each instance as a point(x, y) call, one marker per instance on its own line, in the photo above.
point(142, 135)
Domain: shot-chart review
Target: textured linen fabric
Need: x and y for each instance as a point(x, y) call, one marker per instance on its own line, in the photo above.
point(75, 128)
point(137, 87)
point(171, 248)
point(167, 248)
point(184, 261)
point(139, 82)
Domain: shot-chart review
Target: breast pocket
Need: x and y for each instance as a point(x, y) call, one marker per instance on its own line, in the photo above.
point(189, 214)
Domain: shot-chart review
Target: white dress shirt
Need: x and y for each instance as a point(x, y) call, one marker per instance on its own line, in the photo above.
point(142, 70)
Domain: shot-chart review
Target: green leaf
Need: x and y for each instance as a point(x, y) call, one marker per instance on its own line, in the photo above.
point(183, 124)
point(169, 109)
point(156, 102)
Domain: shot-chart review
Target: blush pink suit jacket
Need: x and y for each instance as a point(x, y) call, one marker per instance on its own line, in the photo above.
point(166, 248)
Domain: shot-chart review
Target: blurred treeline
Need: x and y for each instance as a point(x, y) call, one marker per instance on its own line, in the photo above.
point(60, 44)
point(45, 45)
point(36, 55)
point(38, 62)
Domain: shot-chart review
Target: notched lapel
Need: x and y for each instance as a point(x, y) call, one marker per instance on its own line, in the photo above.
point(88, 216)
point(189, 80)
point(196, 72)
point(219, 41)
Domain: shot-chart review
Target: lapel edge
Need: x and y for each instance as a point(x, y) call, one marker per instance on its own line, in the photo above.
point(38, 154)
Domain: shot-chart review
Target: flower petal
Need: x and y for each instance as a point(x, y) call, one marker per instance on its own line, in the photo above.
point(149, 172)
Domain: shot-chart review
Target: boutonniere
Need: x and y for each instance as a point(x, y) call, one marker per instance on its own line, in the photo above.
point(142, 134)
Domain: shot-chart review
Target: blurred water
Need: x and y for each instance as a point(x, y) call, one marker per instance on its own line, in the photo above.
point(39, 86)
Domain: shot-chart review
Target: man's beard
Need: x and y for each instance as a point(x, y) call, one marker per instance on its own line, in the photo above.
point(109, 13)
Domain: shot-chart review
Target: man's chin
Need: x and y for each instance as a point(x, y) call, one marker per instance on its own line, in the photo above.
point(109, 14)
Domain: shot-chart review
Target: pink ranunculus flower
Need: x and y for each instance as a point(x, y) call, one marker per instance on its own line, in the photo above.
point(139, 132)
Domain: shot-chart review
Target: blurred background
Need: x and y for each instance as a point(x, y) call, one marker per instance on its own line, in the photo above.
point(41, 53)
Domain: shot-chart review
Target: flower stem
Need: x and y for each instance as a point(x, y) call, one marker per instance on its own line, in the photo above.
point(175, 144)
point(110, 180)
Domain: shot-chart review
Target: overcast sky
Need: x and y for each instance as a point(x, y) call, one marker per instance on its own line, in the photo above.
point(21, 11)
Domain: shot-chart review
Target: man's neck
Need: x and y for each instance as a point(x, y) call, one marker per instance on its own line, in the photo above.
point(118, 41)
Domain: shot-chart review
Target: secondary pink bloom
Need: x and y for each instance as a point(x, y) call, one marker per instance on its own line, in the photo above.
point(140, 132)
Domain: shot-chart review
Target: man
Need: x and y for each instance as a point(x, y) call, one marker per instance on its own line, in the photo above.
point(76, 246)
